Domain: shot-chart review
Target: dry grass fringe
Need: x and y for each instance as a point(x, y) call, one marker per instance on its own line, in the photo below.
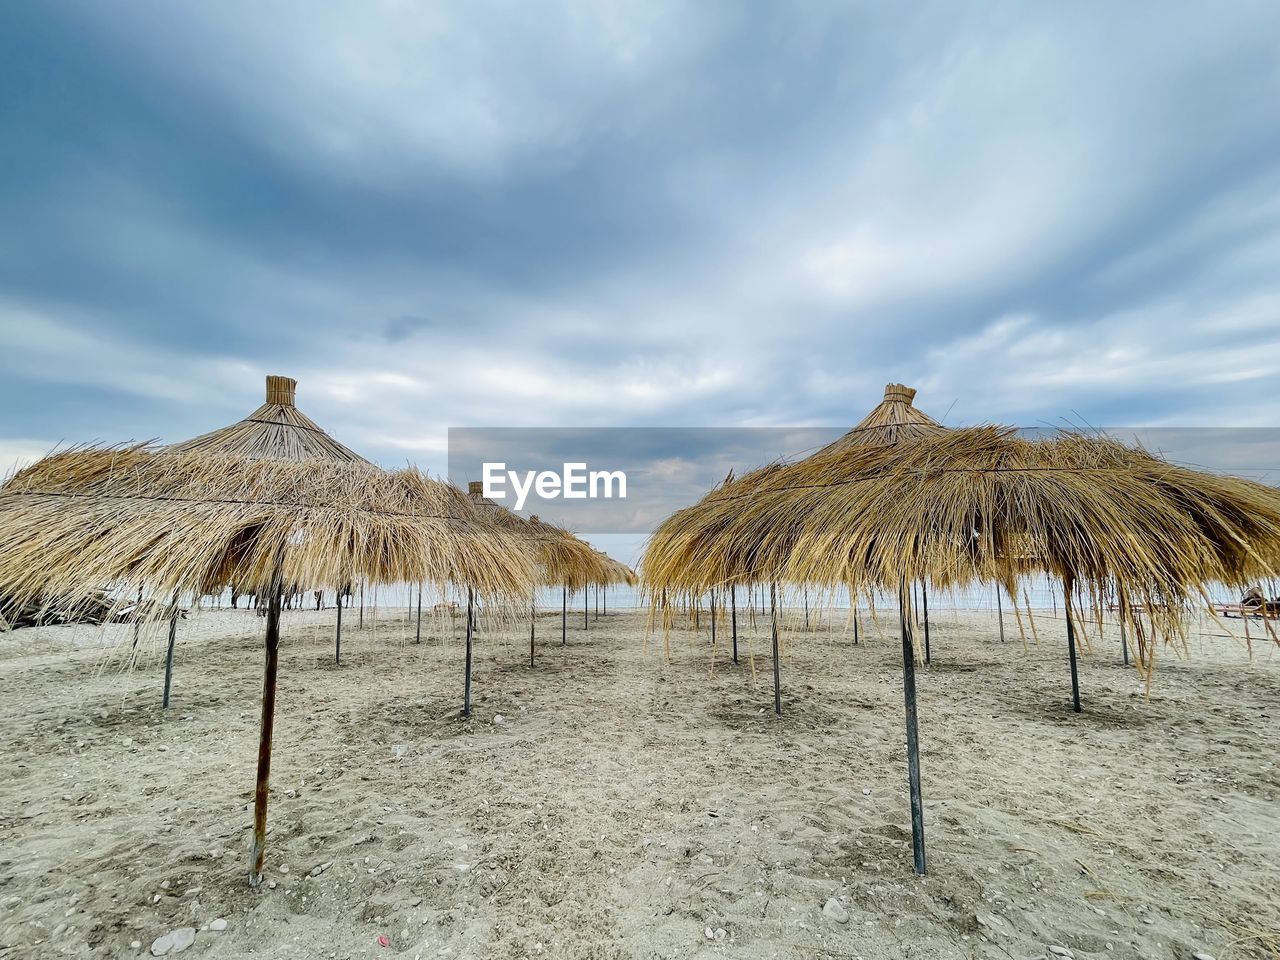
point(978, 505)
point(164, 523)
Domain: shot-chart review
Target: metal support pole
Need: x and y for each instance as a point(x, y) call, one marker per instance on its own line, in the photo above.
point(733, 613)
point(466, 683)
point(777, 669)
point(913, 739)
point(533, 619)
point(261, 786)
point(1124, 641)
point(806, 609)
point(713, 619)
point(337, 637)
point(1071, 647)
point(1122, 603)
point(586, 604)
point(417, 637)
point(1000, 612)
point(564, 615)
point(855, 626)
point(168, 659)
point(924, 596)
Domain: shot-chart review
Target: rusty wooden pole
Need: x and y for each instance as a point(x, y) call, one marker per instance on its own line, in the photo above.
point(533, 619)
point(564, 615)
point(261, 787)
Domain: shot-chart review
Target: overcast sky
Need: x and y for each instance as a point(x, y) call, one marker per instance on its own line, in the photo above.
point(707, 214)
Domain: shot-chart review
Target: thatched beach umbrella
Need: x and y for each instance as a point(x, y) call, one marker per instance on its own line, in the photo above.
point(603, 572)
point(682, 538)
point(983, 504)
point(172, 523)
point(561, 556)
point(277, 430)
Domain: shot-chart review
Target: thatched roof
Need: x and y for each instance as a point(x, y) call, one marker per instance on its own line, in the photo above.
point(894, 419)
point(978, 504)
point(277, 429)
point(564, 558)
point(139, 518)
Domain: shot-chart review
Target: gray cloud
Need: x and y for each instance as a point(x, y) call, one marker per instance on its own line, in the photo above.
point(668, 213)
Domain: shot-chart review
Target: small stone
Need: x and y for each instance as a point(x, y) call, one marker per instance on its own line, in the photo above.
point(1060, 951)
point(284, 868)
point(135, 944)
point(866, 791)
point(833, 909)
point(175, 941)
point(709, 933)
point(218, 925)
point(272, 884)
point(1201, 955)
point(498, 718)
point(1148, 921)
point(721, 933)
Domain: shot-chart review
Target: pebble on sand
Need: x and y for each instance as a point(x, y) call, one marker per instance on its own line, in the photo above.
point(1060, 951)
point(833, 909)
point(175, 941)
point(218, 925)
point(1201, 955)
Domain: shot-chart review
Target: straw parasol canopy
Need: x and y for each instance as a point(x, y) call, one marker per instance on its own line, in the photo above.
point(680, 542)
point(564, 558)
point(610, 572)
point(276, 430)
point(980, 504)
point(170, 522)
point(893, 420)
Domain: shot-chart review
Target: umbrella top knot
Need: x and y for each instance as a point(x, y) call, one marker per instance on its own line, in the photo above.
point(281, 390)
point(899, 392)
point(475, 488)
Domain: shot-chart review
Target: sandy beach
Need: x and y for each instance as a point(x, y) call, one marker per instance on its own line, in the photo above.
point(611, 803)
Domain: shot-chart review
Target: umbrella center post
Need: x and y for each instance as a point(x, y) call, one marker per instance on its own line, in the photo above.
point(777, 668)
point(261, 787)
point(913, 738)
point(466, 683)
